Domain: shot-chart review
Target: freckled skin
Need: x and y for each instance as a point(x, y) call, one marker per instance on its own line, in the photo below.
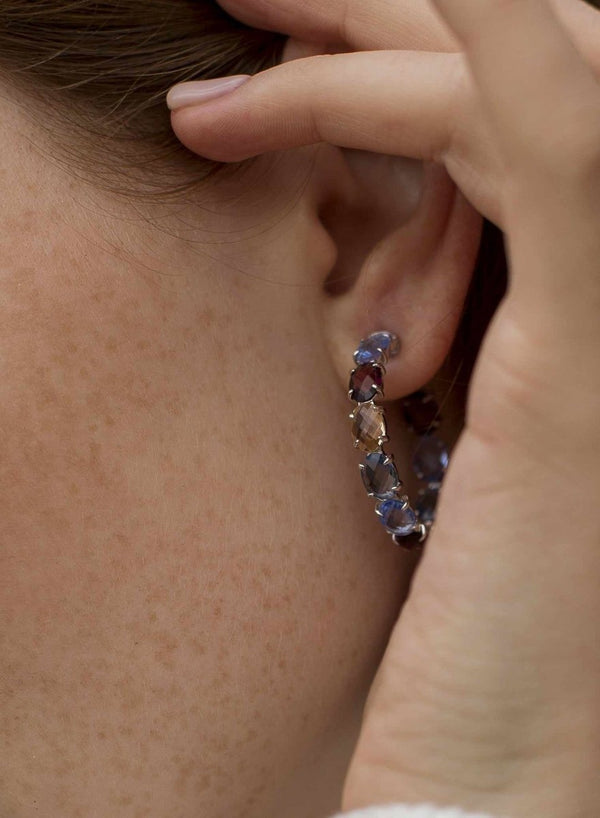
point(194, 592)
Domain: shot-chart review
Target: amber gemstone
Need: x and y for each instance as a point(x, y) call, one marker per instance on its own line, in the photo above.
point(365, 382)
point(368, 426)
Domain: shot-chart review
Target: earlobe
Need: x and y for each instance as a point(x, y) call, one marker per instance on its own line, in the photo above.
point(407, 271)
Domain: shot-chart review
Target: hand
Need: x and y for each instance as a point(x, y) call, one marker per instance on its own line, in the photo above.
point(435, 114)
point(488, 694)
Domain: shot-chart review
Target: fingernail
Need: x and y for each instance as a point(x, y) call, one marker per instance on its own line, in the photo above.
point(199, 91)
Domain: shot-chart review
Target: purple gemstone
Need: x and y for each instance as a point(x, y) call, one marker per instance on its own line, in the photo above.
point(397, 516)
point(430, 459)
point(379, 475)
point(365, 382)
point(421, 412)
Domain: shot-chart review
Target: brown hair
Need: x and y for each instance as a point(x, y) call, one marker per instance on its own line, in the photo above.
point(100, 70)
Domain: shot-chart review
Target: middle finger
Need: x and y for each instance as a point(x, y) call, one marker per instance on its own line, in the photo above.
point(351, 24)
point(389, 24)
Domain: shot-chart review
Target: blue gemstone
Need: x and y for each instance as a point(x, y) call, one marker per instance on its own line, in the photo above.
point(379, 475)
point(368, 355)
point(426, 503)
point(430, 459)
point(397, 517)
point(386, 341)
point(376, 348)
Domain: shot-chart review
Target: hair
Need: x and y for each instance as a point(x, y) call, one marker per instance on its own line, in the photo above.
point(99, 70)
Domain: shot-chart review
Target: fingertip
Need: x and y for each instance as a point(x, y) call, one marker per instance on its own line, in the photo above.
point(209, 134)
point(198, 92)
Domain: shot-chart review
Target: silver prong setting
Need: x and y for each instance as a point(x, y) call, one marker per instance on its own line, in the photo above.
point(382, 481)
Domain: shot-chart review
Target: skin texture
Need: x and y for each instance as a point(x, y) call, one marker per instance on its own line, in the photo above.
point(487, 695)
point(189, 629)
point(195, 593)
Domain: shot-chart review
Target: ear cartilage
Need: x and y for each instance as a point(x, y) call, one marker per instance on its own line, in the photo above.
point(408, 526)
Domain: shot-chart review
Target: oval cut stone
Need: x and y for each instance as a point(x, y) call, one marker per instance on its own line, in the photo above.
point(387, 341)
point(430, 459)
point(365, 382)
point(377, 348)
point(397, 517)
point(380, 476)
point(421, 412)
point(368, 426)
point(369, 355)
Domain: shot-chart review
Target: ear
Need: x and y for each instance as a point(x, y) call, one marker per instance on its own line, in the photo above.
point(295, 49)
point(407, 244)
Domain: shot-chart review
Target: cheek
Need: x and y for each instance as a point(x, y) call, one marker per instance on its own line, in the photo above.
point(201, 593)
point(273, 589)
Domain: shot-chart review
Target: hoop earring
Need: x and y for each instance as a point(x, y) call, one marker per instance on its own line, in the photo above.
point(408, 526)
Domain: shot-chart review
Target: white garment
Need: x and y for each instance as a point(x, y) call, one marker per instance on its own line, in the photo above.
point(411, 811)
